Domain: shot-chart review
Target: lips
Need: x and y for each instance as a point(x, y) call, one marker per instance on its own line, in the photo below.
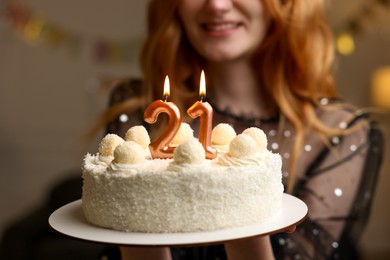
point(220, 26)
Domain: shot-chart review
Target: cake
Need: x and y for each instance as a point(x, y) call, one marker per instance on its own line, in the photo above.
point(125, 189)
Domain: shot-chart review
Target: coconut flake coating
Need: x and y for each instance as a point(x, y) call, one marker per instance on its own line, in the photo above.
point(258, 135)
point(139, 135)
point(242, 146)
point(129, 152)
point(189, 152)
point(184, 133)
point(108, 144)
point(222, 134)
point(154, 197)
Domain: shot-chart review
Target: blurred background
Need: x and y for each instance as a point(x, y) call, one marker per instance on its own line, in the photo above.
point(57, 59)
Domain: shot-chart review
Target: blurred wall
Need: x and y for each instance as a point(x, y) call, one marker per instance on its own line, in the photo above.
point(49, 96)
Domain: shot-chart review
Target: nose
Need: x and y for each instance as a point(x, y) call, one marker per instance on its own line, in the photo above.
point(220, 5)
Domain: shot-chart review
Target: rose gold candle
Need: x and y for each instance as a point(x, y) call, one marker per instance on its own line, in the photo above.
point(160, 148)
point(205, 112)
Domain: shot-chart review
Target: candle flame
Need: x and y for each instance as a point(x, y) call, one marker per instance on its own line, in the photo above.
point(202, 88)
point(166, 92)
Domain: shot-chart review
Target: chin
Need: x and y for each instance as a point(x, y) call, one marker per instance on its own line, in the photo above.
point(218, 56)
point(224, 58)
point(225, 54)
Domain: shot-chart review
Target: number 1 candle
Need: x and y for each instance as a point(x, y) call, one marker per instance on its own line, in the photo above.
point(160, 148)
point(204, 110)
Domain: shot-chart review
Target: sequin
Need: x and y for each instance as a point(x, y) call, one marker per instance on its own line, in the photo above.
point(308, 148)
point(335, 244)
point(275, 146)
point(286, 155)
point(285, 174)
point(315, 232)
point(343, 125)
point(324, 101)
point(281, 241)
point(338, 192)
point(336, 140)
point(123, 118)
point(287, 133)
point(272, 132)
point(353, 148)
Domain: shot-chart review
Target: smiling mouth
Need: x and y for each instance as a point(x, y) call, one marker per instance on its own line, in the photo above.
point(220, 27)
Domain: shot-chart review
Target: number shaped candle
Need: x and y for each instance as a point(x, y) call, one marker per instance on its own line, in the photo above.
point(160, 148)
point(205, 112)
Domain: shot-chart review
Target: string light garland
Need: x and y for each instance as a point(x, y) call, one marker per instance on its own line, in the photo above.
point(345, 40)
point(36, 29)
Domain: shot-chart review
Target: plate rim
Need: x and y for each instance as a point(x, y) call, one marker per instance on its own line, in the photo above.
point(64, 219)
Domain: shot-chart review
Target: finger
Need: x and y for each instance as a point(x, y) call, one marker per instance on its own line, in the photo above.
point(290, 229)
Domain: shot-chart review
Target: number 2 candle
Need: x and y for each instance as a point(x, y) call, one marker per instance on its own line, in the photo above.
point(160, 148)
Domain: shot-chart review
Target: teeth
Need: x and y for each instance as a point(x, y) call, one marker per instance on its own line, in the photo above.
point(220, 27)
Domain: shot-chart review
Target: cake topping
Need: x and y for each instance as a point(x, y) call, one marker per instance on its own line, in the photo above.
point(185, 132)
point(190, 151)
point(108, 144)
point(139, 135)
point(242, 146)
point(248, 148)
point(258, 135)
point(129, 152)
point(222, 134)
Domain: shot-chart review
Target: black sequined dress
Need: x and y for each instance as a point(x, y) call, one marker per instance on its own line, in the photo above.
point(337, 182)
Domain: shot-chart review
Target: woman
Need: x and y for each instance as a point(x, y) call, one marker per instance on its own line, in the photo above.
point(268, 64)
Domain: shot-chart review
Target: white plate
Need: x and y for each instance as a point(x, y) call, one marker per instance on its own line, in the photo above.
point(69, 220)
